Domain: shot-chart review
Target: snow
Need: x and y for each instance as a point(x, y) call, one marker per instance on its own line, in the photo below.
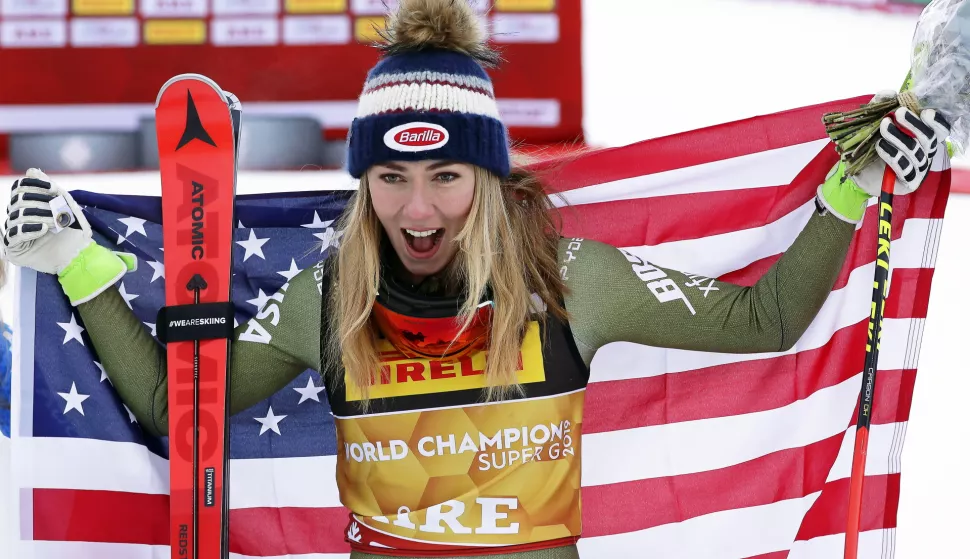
point(654, 68)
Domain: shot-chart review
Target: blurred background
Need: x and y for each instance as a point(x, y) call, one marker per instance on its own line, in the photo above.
point(78, 79)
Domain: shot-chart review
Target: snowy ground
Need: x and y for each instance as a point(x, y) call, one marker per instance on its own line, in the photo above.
point(655, 67)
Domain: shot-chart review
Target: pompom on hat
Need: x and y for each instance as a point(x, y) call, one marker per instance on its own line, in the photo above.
point(429, 97)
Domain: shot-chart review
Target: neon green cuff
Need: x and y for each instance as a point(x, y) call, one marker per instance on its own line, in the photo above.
point(91, 272)
point(842, 197)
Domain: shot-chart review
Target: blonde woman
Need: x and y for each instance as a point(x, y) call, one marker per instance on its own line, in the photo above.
point(455, 327)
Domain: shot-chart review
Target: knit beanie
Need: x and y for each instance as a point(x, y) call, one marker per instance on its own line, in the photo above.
point(429, 96)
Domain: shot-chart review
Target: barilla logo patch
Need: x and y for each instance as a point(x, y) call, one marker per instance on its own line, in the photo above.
point(416, 136)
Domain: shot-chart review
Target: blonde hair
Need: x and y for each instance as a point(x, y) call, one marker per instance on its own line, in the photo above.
point(509, 244)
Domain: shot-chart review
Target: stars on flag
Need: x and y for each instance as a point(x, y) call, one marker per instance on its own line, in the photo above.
point(133, 225)
point(317, 222)
point(158, 270)
point(329, 238)
point(73, 399)
point(131, 416)
point(72, 330)
point(253, 246)
point(270, 423)
point(309, 392)
point(104, 375)
point(128, 297)
point(292, 272)
point(260, 300)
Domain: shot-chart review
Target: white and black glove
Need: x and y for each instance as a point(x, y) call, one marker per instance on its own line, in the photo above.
point(45, 229)
point(908, 144)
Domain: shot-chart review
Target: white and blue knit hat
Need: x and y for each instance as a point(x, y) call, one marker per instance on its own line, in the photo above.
point(429, 97)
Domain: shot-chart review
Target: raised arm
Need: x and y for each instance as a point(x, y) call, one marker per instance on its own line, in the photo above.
point(617, 296)
point(267, 352)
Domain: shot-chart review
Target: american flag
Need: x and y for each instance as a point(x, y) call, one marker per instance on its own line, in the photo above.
point(685, 453)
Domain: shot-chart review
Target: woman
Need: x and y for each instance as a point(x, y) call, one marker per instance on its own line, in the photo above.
point(443, 452)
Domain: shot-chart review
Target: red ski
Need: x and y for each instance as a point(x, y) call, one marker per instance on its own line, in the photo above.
point(197, 128)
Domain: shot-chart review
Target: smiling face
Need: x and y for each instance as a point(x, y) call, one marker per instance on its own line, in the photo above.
point(422, 206)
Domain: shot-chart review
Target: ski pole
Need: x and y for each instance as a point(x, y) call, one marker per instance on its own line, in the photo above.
point(880, 290)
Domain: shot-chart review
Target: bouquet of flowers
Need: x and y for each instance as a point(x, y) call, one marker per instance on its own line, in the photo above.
point(939, 78)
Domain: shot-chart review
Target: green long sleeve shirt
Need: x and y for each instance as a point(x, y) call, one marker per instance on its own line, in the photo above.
point(614, 296)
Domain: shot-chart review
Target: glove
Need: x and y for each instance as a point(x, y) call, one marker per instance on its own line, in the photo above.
point(29, 235)
point(46, 231)
point(908, 145)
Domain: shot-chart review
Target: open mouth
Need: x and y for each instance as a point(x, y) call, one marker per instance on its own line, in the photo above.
point(423, 243)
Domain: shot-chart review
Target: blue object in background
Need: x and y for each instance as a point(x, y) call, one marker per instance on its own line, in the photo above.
point(6, 336)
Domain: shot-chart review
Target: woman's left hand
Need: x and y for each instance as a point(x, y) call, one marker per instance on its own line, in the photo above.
point(908, 144)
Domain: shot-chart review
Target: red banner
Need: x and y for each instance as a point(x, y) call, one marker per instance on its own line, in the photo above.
point(98, 64)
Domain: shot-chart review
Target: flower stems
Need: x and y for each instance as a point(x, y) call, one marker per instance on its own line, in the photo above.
point(856, 132)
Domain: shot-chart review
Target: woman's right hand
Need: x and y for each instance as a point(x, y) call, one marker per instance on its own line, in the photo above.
point(31, 236)
point(46, 231)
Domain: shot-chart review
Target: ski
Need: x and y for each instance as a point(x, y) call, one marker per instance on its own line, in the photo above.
point(197, 127)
